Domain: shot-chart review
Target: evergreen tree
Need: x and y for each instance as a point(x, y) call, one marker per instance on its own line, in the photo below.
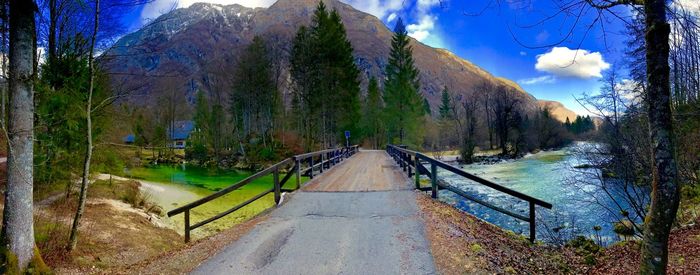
point(305, 102)
point(202, 115)
point(326, 79)
point(446, 105)
point(426, 107)
point(372, 111)
point(404, 103)
point(255, 101)
point(341, 80)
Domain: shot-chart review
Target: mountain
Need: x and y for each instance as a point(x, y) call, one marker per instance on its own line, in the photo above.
point(558, 110)
point(196, 48)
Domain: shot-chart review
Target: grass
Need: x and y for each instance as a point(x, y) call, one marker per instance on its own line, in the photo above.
point(203, 182)
point(211, 179)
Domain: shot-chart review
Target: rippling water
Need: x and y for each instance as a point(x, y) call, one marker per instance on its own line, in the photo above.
point(549, 176)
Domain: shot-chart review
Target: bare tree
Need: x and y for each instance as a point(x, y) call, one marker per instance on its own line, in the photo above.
point(468, 137)
point(17, 225)
point(505, 106)
point(88, 134)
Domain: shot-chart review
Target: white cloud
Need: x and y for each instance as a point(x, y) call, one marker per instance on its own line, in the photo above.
point(421, 31)
point(629, 89)
point(691, 5)
point(565, 62)
point(378, 8)
point(391, 17)
point(522, 53)
point(538, 80)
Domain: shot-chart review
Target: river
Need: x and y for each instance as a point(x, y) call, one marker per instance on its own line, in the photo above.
point(549, 176)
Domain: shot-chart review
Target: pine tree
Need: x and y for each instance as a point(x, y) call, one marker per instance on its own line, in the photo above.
point(446, 105)
point(302, 70)
point(255, 101)
point(372, 123)
point(326, 79)
point(404, 103)
point(426, 107)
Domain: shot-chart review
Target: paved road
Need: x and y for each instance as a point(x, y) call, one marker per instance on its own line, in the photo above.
point(376, 232)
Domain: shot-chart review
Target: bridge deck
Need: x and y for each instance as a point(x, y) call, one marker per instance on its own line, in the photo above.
point(369, 170)
point(337, 232)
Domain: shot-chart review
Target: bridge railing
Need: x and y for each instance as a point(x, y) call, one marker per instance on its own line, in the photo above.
point(314, 161)
point(413, 163)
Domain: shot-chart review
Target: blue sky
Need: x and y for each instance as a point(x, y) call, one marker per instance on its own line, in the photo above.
point(503, 39)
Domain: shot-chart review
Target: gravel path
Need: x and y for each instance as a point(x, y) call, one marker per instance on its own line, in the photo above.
point(333, 233)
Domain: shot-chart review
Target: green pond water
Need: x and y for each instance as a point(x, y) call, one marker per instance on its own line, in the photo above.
point(174, 186)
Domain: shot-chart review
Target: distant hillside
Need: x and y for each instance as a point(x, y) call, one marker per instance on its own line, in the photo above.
point(558, 110)
point(196, 48)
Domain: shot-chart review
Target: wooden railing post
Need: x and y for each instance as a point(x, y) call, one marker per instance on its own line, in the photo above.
point(410, 170)
point(532, 222)
point(402, 155)
point(322, 164)
point(278, 188)
point(311, 167)
point(433, 180)
point(187, 226)
point(417, 173)
point(298, 165)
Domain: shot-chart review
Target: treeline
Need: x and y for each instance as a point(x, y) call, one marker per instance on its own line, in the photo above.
point(580, 125)
point(497, 118)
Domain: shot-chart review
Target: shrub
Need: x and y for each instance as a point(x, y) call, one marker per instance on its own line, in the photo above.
point(624, 228)
point(586, 248)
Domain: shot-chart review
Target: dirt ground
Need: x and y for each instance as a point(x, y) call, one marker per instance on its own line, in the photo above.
point(684, 254)
point(185, 258)
point(117, 238)
point(461, 244)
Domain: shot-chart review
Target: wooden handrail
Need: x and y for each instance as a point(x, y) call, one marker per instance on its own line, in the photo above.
point(408, 159)
point(227, 190)
point(327, 157)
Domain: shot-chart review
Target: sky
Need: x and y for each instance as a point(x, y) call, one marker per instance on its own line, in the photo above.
point(551, 55)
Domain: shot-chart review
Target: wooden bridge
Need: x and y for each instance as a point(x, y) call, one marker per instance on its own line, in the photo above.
point(357, 214)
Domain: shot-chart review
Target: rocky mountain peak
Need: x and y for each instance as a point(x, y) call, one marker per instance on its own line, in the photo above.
point(191, 49)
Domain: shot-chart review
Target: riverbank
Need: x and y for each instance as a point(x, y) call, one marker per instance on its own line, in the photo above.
point(461, 243)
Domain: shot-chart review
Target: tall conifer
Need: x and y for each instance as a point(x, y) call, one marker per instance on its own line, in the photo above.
point(372, 114)
point(404, 103)
point(326, 79)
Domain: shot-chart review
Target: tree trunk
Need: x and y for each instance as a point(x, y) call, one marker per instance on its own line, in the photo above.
point(665, 189)
point(18, 223)
point(88, 136)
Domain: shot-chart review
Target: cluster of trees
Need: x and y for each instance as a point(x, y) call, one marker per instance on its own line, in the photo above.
point(53, 110)
point(325, 98)
point(580, 125)
point(326, 84)
point(494, 117)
